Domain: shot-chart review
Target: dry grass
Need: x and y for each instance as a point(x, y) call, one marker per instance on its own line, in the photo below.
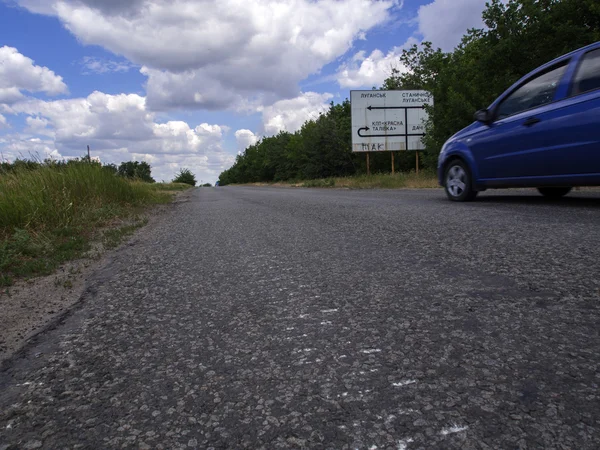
point(411, 180)
point(423, 180)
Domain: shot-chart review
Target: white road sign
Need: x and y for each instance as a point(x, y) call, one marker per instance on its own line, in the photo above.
point(388, 120)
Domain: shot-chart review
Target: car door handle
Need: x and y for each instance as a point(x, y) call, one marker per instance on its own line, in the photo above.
point(531, 121)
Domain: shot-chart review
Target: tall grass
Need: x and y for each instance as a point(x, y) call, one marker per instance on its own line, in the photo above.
point(410, 180)
point(49, 212)
point(52, 197)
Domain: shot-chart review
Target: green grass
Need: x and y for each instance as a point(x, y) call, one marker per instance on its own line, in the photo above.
point(113, 237)
point(411, 180)
point(50, 215)
point(171, 186)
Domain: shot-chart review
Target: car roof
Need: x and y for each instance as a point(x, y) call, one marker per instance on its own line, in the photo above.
point(570, 54)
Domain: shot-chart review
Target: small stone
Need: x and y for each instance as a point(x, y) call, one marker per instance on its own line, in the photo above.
point(32, 444)
point(192, 443)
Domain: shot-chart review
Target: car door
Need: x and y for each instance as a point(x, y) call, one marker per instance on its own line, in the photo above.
point(578, 156)
point(526, 124)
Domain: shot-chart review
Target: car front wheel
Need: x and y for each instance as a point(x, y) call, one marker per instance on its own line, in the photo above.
point(554, 192)
point(458, 183)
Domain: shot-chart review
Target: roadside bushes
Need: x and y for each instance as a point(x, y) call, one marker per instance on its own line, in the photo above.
point(185, 176)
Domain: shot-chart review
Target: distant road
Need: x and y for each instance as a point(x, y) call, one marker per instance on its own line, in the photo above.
point(295, 318)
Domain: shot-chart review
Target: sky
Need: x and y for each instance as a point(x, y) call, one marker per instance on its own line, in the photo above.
point(191, 83)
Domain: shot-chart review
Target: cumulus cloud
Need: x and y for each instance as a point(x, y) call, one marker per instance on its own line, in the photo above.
point(3, 122)
point(120, 128)
point(371, 70)
point(18, 73)
point(223, 51)
point(444, 22)
point(289, 115)
point(19, 145)
point(245, 138)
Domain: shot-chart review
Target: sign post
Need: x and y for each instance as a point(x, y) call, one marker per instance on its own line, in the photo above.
point(389, 121)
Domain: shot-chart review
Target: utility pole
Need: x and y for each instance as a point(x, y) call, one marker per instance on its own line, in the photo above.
point(89, 157)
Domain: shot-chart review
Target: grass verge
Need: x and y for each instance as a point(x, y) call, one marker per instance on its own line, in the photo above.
point(411, 180)
point(51, 214)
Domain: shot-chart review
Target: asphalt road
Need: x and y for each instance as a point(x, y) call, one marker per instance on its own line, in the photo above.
point(294, 318)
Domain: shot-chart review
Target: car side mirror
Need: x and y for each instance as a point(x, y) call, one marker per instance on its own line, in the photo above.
point(483, 115)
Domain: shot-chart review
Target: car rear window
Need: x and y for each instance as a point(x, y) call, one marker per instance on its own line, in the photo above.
point(587, 77)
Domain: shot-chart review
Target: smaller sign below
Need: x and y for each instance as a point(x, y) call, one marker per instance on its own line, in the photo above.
point(388, 120)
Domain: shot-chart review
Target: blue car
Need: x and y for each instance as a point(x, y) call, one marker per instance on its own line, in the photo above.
point(543, 132)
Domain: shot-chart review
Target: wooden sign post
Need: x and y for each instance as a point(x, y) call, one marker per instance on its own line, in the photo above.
point(417, 162)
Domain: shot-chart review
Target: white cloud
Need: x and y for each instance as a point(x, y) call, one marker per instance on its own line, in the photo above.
point(289, 115)
point(245, 138)
point(13, 146)
point(3, 122)
point(216, 53)
point(95, 65)
point(444, 22)
point(370, 71)
point(18, 73)
point(119, 128)
point(38, 125)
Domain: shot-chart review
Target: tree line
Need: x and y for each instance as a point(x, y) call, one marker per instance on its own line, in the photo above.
point(519, 36)
point(133, 170)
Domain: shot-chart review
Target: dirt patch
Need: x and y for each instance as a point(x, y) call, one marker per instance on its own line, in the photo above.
point(30, 306)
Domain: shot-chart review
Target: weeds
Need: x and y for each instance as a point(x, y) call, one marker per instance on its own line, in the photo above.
point(411, 180)
point(49, 213)
point(113, 237)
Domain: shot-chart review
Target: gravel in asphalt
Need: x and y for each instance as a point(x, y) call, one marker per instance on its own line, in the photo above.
point(328, 319)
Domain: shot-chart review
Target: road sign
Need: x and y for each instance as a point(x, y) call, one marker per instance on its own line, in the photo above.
point(384, 121)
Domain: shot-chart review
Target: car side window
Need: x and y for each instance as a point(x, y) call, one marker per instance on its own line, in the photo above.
point(535, 92)
point(587, 77)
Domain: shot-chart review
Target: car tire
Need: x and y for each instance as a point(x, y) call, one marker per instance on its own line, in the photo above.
point(458, 183)
point(554, 192)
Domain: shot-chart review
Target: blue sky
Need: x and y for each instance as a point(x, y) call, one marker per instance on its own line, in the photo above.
point(190, 83)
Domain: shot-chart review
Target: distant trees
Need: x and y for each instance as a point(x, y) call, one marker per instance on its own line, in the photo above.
point(519, 36)
point(185, 176)
point(136, 170)
point(321, 148)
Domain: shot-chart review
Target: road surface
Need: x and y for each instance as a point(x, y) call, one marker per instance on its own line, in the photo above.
point(295, 318)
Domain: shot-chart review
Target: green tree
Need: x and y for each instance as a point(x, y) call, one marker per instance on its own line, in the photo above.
point(136, 170)
point(185, 176)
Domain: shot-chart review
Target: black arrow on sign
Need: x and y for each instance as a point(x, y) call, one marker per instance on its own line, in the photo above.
point(370, 108)
point(383, 135)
